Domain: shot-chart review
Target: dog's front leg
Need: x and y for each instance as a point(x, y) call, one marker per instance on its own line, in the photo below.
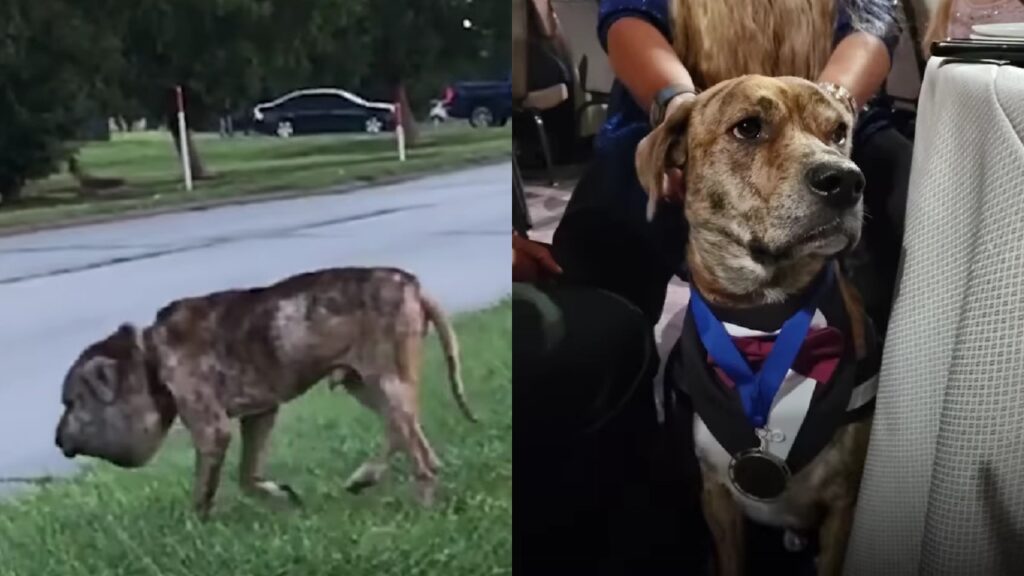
point(725, 520)
point(211, 440)
point(211, 433)
point(833, 537)
point(205, 419)
point(256, 430)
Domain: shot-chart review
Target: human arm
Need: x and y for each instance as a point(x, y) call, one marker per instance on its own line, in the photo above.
point(632, 40)
point(867, 34)
point(860, 63)
point(638, 31)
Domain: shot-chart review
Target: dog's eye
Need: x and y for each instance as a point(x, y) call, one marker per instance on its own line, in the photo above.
point(748, 129)
point(839, 134)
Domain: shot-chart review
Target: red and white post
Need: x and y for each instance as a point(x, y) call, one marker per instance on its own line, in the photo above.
point(183, 139)
point(399, 130)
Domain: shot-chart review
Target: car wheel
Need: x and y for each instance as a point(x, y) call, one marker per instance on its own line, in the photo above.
point(481, 117)
point(285, 129)
point(373, 125)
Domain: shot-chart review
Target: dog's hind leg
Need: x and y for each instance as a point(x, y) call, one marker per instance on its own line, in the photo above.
point(431, 457)
point(367, 391)
point(256, 430)
point(402, 414)
point(372, 471)
point(409, 352)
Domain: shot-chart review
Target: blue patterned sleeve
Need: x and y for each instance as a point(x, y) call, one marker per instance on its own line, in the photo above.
point(880, 18)
point(653, 11)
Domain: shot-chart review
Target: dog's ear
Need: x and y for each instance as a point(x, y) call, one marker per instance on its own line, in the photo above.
point(101, 376)
point(662, 149)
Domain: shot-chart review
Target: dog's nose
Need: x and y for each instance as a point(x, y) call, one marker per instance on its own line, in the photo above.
point(839, 186)
point(59, 440)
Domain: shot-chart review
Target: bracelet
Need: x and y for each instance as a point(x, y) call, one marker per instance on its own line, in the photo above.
point(840, 93)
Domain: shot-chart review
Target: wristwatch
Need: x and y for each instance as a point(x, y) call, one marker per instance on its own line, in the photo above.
point(840, 93)
point(663, 97)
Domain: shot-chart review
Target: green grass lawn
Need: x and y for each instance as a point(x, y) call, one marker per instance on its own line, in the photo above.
point(244, 166)
point(109, 521)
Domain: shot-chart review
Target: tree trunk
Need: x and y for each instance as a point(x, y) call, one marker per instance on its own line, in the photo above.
point(408, 120)
point(10, 192)
point(199, 171)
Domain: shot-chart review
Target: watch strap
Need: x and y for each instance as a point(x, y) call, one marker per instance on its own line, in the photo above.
point(663, 97)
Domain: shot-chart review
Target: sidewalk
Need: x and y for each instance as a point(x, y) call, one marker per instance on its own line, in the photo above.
point(547, 203)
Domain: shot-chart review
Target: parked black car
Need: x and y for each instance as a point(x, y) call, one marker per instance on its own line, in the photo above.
point(322, 110)
point(483, 103)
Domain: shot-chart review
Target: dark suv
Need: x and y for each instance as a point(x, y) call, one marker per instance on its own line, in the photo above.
point(486, 103)
point(322, 110)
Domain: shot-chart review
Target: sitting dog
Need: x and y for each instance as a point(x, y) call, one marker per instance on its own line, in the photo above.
point(243, 353)
point(776, 357)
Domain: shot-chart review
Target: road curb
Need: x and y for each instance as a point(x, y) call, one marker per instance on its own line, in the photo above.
point(213, 203)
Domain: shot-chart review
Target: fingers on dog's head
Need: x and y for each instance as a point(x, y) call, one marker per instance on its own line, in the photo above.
point(662, 149)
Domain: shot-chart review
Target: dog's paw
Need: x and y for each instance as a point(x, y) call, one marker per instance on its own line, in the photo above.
point(425, 493)
point(275, 491)
point(357, 485)
point(366, 476)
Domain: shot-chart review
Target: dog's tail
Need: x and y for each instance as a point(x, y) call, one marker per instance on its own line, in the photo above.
point(451, 352)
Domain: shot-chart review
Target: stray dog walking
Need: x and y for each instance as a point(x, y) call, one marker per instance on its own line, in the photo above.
point(240, 354)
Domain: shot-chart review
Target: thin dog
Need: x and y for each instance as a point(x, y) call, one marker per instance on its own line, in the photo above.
point(241, 354)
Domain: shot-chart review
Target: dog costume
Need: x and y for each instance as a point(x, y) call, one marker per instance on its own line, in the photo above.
point(825, 384)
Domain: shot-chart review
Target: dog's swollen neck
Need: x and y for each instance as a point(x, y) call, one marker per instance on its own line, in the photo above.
point(157, 387)
point(729, 276)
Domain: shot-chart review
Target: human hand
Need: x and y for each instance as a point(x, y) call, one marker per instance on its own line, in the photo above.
point(531, 260)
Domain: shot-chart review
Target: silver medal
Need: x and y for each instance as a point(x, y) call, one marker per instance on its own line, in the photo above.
point(757, 473)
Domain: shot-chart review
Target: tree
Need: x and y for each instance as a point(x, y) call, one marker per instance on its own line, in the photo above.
point(405, 37)
point(418, 45)
point(226, 53)
point(49, 86)
point(123, 58)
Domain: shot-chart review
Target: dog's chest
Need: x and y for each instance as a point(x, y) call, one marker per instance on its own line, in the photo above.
point(824, 390)
point(795, 508)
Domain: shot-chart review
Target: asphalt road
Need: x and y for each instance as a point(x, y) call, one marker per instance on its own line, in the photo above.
point(61, 290)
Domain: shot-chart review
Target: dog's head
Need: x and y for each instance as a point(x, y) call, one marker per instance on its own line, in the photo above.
point(770, 191)
point(112, 409)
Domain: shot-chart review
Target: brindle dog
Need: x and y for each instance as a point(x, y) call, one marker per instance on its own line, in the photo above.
point(241, 354)
point(771, 196)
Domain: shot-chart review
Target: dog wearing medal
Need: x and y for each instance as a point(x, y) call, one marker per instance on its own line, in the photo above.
point(776, 360)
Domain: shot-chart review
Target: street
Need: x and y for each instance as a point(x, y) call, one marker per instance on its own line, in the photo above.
point(61, 290)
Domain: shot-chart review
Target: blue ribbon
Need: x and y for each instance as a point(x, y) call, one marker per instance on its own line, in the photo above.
point(757, 391)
